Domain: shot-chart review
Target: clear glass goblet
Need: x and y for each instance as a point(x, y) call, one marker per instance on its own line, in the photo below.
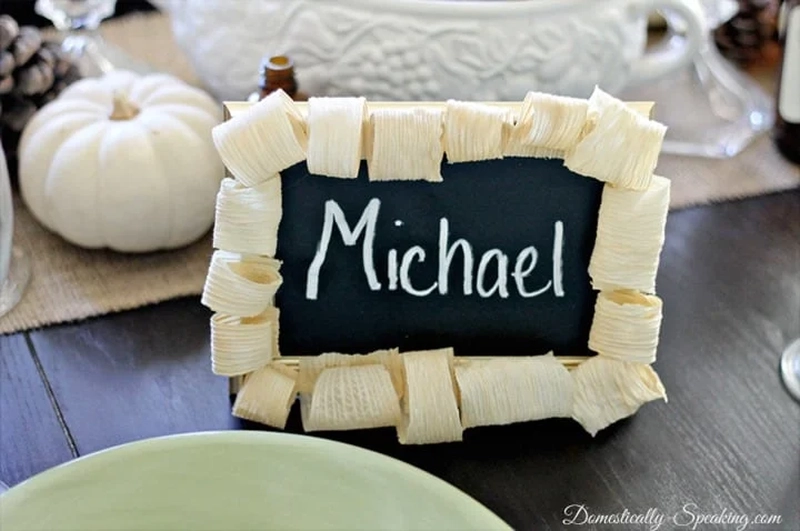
point(15, 268)
point(79, 23)
point(711, 108)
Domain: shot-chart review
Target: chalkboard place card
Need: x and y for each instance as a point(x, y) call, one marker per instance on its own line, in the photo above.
point(492, 261)
point(438, 266)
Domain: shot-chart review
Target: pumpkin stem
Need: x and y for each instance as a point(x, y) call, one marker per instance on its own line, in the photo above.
point(123, 108)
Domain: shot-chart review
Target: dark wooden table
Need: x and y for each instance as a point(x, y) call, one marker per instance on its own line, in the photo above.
point(728, 440)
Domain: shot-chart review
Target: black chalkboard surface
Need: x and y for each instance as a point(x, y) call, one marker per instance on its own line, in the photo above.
point(524, 294)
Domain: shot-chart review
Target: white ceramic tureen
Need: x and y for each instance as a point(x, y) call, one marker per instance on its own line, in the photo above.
point(432, 50)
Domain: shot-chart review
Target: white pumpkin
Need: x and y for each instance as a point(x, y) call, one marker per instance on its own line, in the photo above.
point(123, 161)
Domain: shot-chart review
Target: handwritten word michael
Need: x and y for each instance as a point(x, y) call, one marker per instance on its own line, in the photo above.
point(399, 268)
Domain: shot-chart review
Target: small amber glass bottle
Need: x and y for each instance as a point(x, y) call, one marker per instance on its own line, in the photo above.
point(787, 119)
point(277, 72)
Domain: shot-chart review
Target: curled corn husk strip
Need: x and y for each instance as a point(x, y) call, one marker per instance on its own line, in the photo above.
point(518, 131)
point(607, 390)
point(620, 146)
point(312, 366)
point(556, 122)
point(626, 325)
point(243, 344)
point(267, 396)
point(406, 145)
point(516, 138)
point(268, 138)
point(473, 131)
point(241, 285)
point(430, 409)
point(630, 235)
point(351, 398)
point(335, 136)
point(504, 391)
point(247, 219)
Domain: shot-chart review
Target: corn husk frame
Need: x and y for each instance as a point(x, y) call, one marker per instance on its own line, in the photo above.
point(432, 396)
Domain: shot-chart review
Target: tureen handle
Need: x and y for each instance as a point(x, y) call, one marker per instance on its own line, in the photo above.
point(677, 51)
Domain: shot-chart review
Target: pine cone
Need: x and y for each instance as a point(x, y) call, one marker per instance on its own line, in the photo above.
point(32, 74)
point(742, 39)
point(9, 29)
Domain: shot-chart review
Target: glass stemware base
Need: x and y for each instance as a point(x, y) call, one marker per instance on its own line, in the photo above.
point(95, 56)
point(78, 22)
point(711, 109)
point(790, 369)
point(19, 275)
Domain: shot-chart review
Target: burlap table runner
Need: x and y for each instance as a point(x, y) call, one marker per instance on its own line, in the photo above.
point(69, 283)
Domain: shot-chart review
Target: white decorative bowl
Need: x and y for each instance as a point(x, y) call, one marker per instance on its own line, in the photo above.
point(432, 50)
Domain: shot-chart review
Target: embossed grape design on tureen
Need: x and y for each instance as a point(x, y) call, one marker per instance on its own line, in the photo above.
point(425, 50)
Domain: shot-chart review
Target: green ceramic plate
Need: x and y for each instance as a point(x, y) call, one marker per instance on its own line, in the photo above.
point(238, 480)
